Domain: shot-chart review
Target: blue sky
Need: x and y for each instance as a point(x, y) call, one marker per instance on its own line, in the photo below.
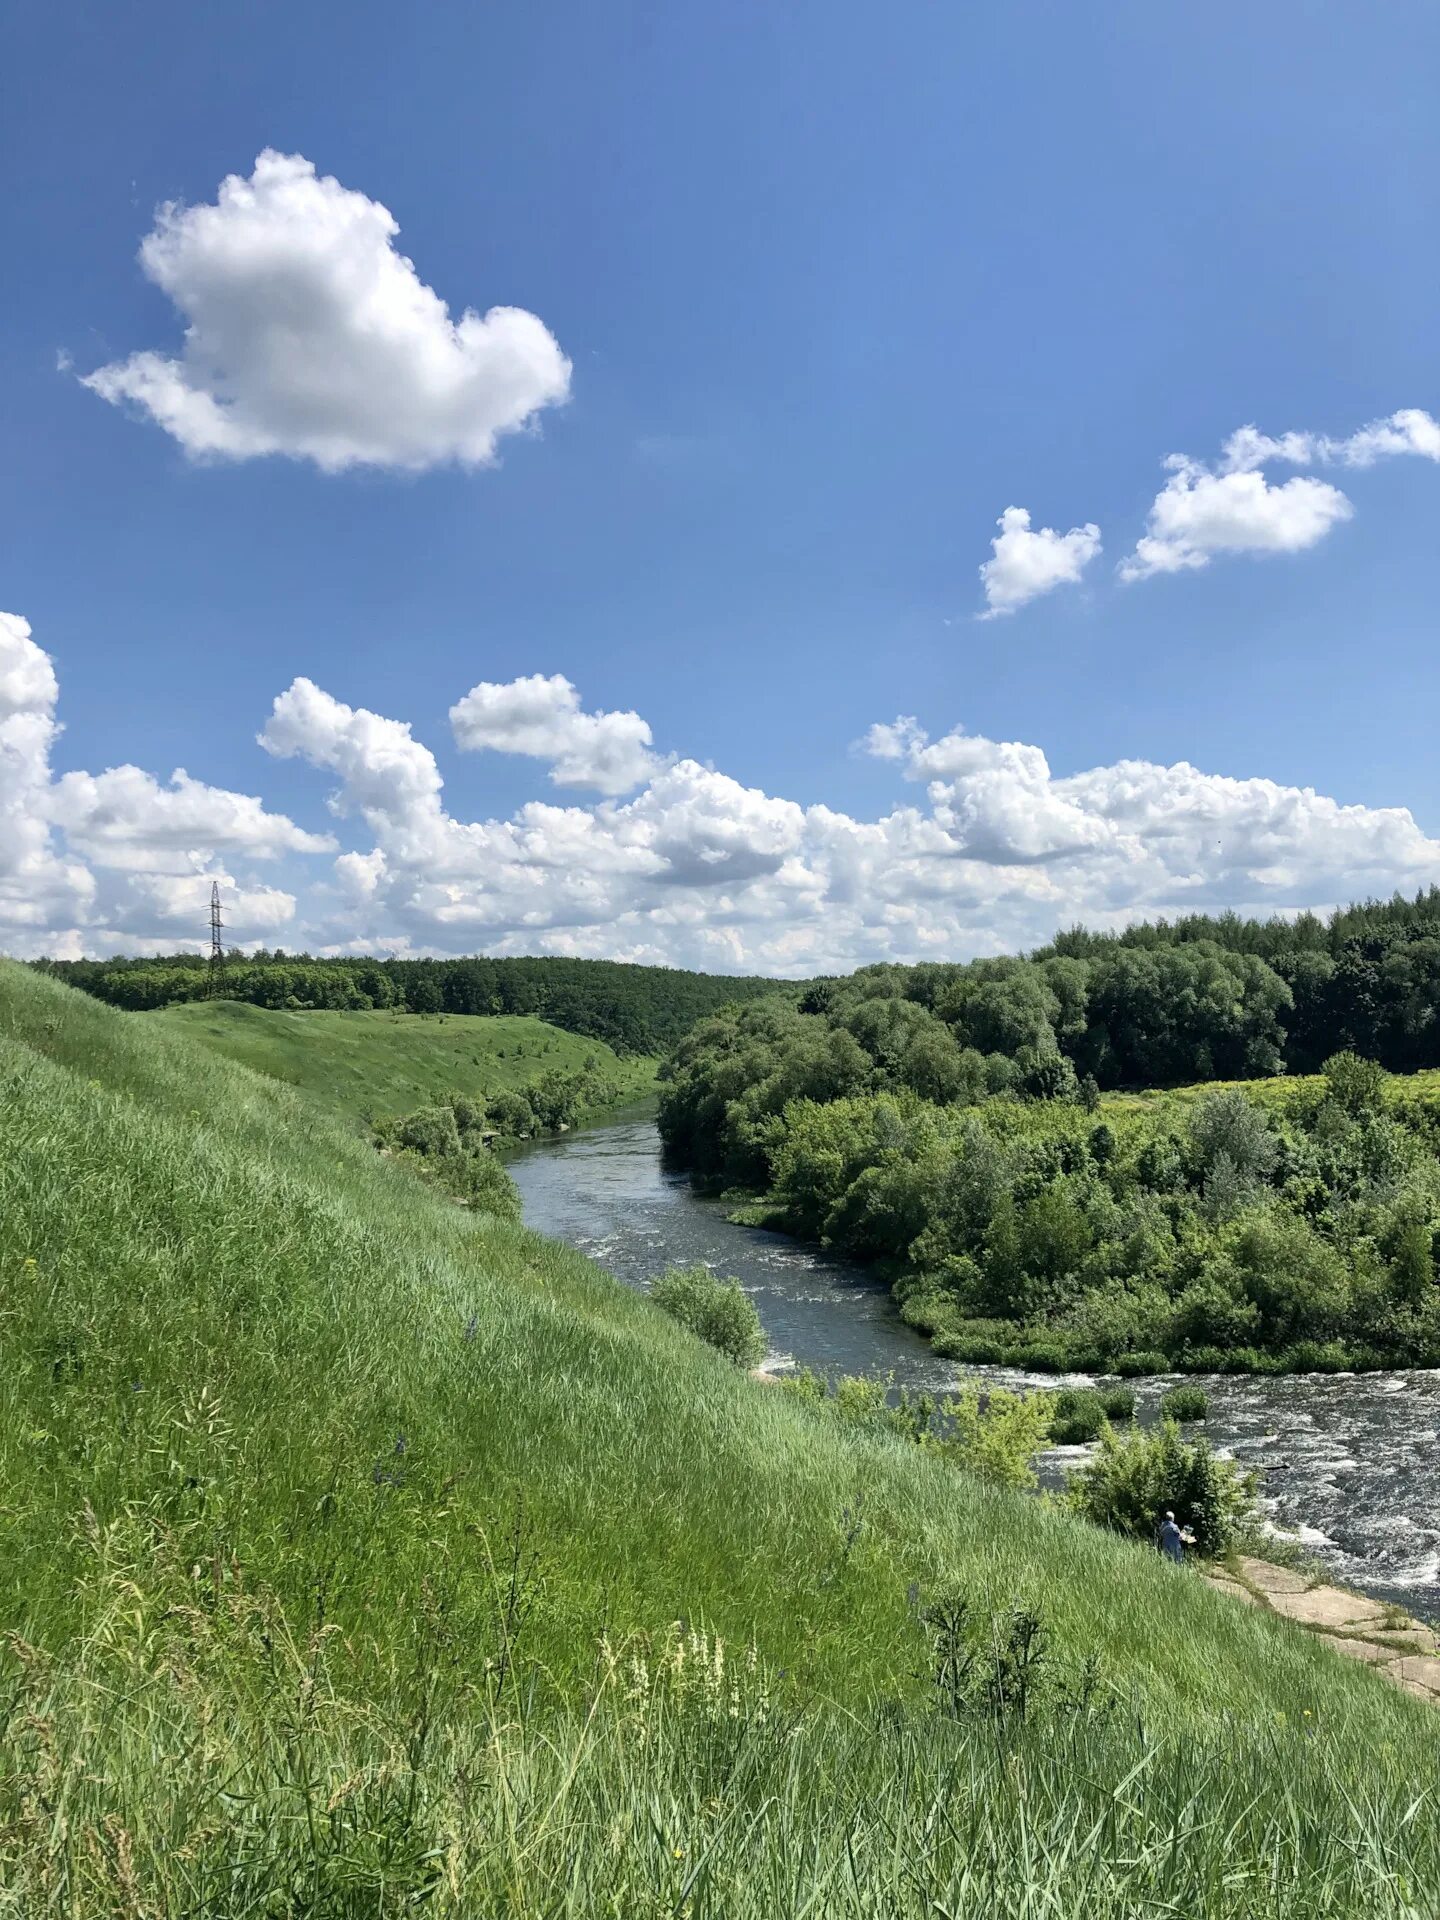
point(837, 285)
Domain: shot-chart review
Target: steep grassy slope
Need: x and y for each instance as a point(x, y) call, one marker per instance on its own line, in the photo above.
point(320, 1501)
point(379, 1064)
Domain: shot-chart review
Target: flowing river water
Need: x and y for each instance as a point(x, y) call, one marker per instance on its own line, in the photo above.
point(1348, 1462)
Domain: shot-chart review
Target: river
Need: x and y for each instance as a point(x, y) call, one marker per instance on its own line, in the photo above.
point(1348, 1462)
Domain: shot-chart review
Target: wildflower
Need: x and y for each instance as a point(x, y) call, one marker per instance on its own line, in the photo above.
point(679, 1853)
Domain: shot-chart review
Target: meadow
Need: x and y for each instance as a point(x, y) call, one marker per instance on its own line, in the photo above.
point(374, 1065)
point(360, 1553)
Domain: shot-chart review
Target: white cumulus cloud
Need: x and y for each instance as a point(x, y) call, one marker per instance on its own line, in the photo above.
point(308, 334)
point(541, 716)
point(1026, 562)
point(984, 848)
point(1232, 508)
point(1199, 514)
point(1410, 430)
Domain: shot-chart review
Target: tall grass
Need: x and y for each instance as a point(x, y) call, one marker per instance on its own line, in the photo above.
point(342, 1536)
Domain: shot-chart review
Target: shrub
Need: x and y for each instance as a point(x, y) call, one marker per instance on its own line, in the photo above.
point(512, 1113)
point(1079, 1417)
point(469, 1114)
point(479, 1178)
point(997, 1437)
point(429, 1130)
point(1119, 1404)
point(1040, 1356)
point(971, 1349)
point(719, 1311)
point(1185, 1403)
point(1136, 1476)
point(1131, 1365)
point(1201, 1360)
point(1315, 1356)
point(1356, 1085)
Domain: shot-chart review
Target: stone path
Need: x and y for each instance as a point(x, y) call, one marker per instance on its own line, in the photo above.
point(1362, 1629)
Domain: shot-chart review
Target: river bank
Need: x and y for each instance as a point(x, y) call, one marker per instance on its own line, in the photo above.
point(1349, 1464)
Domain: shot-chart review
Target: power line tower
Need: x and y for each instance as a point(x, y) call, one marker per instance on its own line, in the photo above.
point(215, 973)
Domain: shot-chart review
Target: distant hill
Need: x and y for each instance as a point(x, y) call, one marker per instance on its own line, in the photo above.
point(372, 1066)
point(634, 1009)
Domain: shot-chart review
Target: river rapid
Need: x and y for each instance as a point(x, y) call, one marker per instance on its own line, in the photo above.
point(1349, 1463)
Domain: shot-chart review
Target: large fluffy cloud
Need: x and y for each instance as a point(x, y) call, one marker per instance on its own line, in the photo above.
point(541, 716)
point(1199, 514)
point(1026, 561)
point(985, 848)
point(307, 333)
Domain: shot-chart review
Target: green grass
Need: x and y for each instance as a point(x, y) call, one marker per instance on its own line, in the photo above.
point(1420, 1090)
point(377, 1065)
point(320, 1500)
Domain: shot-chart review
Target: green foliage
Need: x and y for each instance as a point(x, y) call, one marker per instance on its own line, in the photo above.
point(637, 1010)
point(1356, 1086)
point(993, 1436)
point(429, 1130)
point(345, 1532)
point(1184, 1403)
point(1137, 1476)
point(719, 1311)
point(1216, 1229)
point(447, 1145)
point(1001, 1670)
point(1078, 1418)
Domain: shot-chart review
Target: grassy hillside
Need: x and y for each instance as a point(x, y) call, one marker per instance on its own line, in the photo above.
point(342, 1533)
point(374, 1065)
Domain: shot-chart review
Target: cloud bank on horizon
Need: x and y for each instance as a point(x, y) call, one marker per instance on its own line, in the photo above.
point(988, 851)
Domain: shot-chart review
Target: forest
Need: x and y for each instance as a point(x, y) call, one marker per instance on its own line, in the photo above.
point(961, 1126)
point(634, 1009)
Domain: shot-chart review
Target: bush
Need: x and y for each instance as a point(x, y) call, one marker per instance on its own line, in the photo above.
point(479, 1179)
point(971, 1349)
point(512, 1113)
point(1131, 1365)
point(1185, 1403)
point(429, 1130)
point(1081, 1413)
point(1315, 1356)
point(1136, 1476)
point(1119, 1404)
point(995, 1437)
point(1079, 1417)
point(719, 1311)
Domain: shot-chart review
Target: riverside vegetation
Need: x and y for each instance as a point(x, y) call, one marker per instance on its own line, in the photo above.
point(360, 1553)
point(1030, 1220)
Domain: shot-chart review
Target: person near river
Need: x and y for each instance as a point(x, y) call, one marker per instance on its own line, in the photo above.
point(1172, 1541)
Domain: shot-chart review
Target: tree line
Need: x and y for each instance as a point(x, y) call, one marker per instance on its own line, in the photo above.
point(634, 1009)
